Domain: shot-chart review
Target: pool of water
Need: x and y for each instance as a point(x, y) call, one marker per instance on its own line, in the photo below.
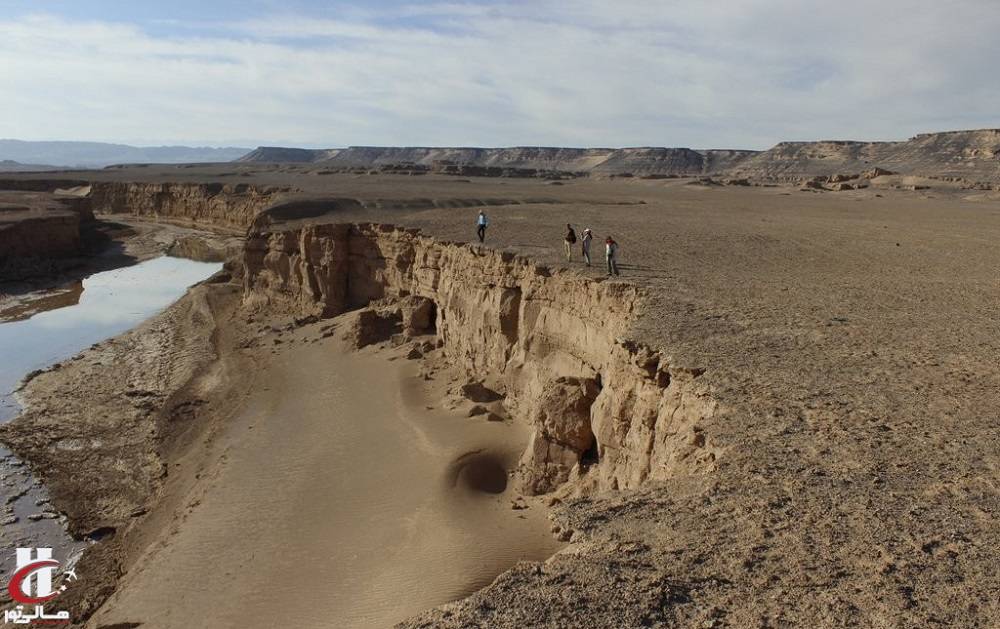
point(109, 303)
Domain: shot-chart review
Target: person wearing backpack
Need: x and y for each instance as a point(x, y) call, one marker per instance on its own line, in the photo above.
point(569, 241)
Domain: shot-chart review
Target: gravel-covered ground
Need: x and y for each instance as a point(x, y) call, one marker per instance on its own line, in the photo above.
point(851, 340)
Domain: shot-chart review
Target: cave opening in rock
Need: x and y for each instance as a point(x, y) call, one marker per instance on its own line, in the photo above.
point(590, 455)
point(433, 318)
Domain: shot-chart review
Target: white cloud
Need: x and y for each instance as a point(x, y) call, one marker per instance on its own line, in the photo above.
point(746, 73)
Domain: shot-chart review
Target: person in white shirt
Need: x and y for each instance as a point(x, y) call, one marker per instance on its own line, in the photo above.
point(585, 244)
point(481, 226)
point(611, 251)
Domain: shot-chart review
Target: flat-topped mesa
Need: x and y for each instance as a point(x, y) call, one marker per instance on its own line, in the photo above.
point(206, 204)
point(603, 409)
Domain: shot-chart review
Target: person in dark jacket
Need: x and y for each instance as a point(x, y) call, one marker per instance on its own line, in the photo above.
point(569, 241)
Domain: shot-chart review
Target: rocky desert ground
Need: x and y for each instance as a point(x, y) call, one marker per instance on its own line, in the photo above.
point(782, 414)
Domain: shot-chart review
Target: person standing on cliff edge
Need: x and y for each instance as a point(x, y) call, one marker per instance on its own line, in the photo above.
point(569, 241)
point(481, 226)
point(611, 251)
point(585, 244)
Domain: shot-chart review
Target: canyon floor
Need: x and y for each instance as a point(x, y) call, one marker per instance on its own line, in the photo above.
point(849, 341)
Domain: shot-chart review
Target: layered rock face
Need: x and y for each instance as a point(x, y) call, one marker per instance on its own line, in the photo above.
point(603, 409)
point(213, 204)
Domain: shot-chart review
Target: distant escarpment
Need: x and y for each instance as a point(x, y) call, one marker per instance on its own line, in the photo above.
point(604, 411)
point(969, 155)
point(962, 156)
point(515, 161)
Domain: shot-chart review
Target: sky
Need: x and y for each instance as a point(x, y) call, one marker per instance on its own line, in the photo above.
point(734, 74)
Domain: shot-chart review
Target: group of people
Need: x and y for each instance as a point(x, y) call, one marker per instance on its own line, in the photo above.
point(610, 246)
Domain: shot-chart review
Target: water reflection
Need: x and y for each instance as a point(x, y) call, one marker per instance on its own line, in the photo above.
point(53, 300)
point(110, 303)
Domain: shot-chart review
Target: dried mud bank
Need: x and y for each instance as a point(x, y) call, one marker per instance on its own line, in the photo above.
point(605, 412)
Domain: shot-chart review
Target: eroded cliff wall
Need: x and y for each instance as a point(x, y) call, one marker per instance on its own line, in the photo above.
point(604, 410)
point(40, 224)
point(46, 235)
point(211, 204)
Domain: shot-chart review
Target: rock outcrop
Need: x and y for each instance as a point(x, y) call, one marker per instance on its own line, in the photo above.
point(600, 406)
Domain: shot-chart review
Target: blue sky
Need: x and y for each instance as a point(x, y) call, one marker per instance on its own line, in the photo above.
point(744, 73)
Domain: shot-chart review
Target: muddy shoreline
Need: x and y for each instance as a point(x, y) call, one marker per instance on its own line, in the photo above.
point(47, 447)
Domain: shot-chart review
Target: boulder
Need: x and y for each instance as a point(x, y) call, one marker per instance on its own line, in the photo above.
point(842, 178)
point(478, 392)
point(562, 433)
point(370, 325)
point(417, 315)
point(872, 173)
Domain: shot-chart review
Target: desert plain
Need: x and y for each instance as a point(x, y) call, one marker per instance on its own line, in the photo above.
point(781, 414)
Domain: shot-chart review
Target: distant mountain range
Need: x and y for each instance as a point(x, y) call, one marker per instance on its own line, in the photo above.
point(972, 155)
point(100, 154)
